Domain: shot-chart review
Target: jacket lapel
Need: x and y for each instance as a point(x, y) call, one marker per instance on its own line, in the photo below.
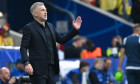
point(38, 29)
point(52, 30)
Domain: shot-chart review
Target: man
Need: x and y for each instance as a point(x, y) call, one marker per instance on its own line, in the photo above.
point(76, 75)
point(108, 77)
point(19, 70)
point(5, 39)
point(113, 51)
point(131, 46)
point(91, 51)
point(40, 37)
point(5, 76)
point(95, 74)
point(74, 50)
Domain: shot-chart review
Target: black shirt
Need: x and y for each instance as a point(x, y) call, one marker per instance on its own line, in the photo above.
point(49, 37)
point(93, 78)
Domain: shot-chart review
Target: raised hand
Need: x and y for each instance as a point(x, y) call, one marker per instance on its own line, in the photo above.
point(77, 23)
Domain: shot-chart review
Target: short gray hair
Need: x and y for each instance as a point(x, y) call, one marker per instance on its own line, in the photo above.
point(34, 6)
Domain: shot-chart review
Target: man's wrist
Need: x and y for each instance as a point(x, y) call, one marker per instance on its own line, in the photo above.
point(26, 63)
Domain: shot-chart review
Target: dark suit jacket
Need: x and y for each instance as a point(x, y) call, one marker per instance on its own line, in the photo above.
point(35, 41)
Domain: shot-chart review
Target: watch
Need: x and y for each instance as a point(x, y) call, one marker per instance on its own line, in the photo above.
point(26, 63)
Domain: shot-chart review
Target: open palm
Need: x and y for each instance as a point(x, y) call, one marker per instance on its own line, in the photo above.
point(77, 23)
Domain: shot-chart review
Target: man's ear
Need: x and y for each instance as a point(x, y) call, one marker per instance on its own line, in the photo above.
point(35, 14)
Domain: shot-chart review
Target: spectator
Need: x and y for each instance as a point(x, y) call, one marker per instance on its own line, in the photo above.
point(5, 76)
point(19, 70)
point(76, 75)
point(60, 52)
point(124, 8)
point(109, 5)
point(135, 13)
point(96, 75)
point(91, 51)
point(74, 50)
point(5, 39)
point(116, 45)
point(97, 2)
point(108, 77)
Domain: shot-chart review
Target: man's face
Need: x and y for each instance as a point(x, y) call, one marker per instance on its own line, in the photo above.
point(107, 64)
point(5, 74)
point(99, 65)
point(41, 13)
point(139, 31)
point(81, 42)
point(114, 42)
point(85, 69)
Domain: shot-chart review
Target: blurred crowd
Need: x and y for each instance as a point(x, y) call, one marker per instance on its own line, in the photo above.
point(16, 75)
point(99, 74)
point(128, 9)
point(83, 48)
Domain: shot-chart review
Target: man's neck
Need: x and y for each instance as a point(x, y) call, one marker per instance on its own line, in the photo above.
point(41, 22)
point(135, 33)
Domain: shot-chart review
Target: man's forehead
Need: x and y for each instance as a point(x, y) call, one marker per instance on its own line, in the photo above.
point(5, 70)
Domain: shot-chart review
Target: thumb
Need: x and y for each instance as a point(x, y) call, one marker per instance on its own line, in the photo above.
point(73, 22)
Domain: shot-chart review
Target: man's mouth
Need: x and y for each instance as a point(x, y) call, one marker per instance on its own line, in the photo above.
point(45, 16)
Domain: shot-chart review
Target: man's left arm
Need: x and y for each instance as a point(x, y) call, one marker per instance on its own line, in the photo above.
point(71, 34)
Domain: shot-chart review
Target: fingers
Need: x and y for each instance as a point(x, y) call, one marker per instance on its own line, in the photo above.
point(29, 70)
point(73, 22)
point(79, 20)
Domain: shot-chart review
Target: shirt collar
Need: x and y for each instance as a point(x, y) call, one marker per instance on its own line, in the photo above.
point(41, 24)
point(135, 35)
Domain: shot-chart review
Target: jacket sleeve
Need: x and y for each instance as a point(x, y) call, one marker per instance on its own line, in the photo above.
point(67, 37)
point(25, 43)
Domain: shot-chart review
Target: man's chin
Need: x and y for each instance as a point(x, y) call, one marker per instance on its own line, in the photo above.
point(44, 19)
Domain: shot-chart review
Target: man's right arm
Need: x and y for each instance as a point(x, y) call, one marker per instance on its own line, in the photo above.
point(121, 59)
point(122, 55)
point(25, 43)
